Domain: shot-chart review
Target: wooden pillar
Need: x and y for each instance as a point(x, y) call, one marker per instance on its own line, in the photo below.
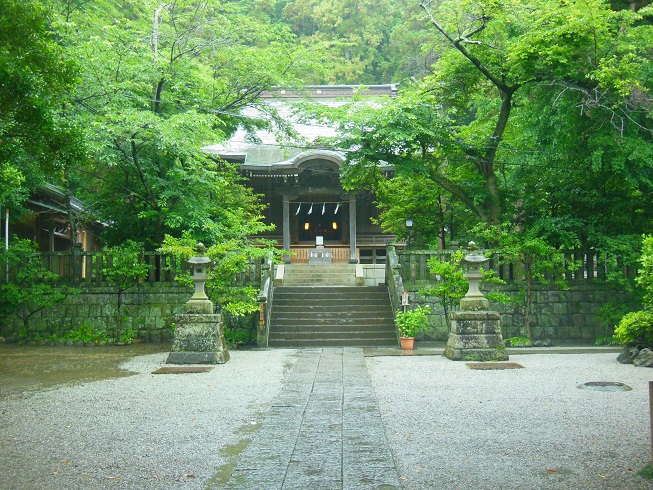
point(352, 231)
point(286, 227)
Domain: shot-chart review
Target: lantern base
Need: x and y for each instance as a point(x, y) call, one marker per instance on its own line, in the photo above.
point(199, 339)
point(199, 306)
point(474, 303)
point(476, 336)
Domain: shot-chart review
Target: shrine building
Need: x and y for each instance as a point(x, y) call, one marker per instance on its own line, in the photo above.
point(301, 187)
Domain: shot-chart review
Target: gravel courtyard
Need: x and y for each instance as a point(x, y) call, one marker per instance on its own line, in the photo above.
point(448, 426)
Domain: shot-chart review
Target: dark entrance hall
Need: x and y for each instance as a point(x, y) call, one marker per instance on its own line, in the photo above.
point(319, 219)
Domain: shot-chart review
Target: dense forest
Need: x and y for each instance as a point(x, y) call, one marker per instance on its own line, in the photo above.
point(536, 116)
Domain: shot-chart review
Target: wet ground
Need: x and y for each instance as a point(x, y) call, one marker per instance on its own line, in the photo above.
point(24, 369)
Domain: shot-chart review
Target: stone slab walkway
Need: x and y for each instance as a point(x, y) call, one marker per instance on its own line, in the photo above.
point(323, 431)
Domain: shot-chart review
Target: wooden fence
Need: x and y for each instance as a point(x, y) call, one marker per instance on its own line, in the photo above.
point(88, 267)
point(591, 266)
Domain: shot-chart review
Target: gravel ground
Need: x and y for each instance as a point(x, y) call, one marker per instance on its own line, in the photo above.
point(140, 432)
point(451, 427)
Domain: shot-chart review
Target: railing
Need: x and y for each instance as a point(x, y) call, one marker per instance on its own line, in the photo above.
point(265, 299)
point(88, 267)
point(413, 266)
point(300, 255)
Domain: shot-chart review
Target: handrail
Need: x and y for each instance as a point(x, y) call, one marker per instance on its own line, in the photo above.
point(394, 281)
point(265, 299)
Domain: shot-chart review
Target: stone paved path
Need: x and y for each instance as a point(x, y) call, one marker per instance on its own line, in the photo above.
point(324, 431)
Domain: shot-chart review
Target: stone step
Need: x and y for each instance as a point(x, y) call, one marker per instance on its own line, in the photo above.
point(334, 319)
point(331, 316)
point(320, 274)
point(370, 306)
point(335, 335)
point(332, 292)
point(331, 327)
point(306, 344)
point(327, 281)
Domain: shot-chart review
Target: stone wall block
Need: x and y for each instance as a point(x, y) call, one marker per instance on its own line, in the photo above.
point(560, 309)
point(574, 331)
point(588, 333)
point(562, 332)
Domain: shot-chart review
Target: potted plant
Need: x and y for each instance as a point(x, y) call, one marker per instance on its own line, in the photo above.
point(409, 323)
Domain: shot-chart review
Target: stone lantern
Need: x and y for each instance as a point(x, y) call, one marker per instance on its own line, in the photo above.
point(472, 264)
point(200, 263)
point(199, 334)
point(475, 332)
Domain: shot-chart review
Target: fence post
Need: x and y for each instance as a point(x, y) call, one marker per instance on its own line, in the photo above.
point(77, 262)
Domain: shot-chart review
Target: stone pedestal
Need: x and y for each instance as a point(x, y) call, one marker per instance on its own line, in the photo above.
point(475, 332)
point(476, 336)
point(199, 334)
point(199, 339)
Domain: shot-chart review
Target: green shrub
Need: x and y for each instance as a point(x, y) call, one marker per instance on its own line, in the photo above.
point(411, 322)
point(86, 333)
point(236, 337)
point(636, 328)
point(518, 342)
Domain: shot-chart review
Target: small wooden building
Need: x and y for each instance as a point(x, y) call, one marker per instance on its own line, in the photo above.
point(305, 199)
point(47, 222)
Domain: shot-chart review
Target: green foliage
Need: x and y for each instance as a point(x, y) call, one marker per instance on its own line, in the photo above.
point(636, 328)
point(36, 139)
point(646, 472)
point(518, 342)
point(411, 322)
point(539, 262)
point(450, 286)
point(124, 266)
point(31, 287)
point(645, 273)
point(237, 337)
point(127, 335)
point(157, 83)
point(609, 315)
point(535, 113)
point(606, 340)
point(87, 334)
point(230, 259)
point(123, 269)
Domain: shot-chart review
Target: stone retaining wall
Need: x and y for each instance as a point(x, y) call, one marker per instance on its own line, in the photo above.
point(555, 314)
point(149, 309)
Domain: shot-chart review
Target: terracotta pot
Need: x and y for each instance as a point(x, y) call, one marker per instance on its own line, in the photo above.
point(407, 343)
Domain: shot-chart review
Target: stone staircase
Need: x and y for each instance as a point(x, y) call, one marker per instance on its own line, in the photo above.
point(319, 305)
point(320, 275)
